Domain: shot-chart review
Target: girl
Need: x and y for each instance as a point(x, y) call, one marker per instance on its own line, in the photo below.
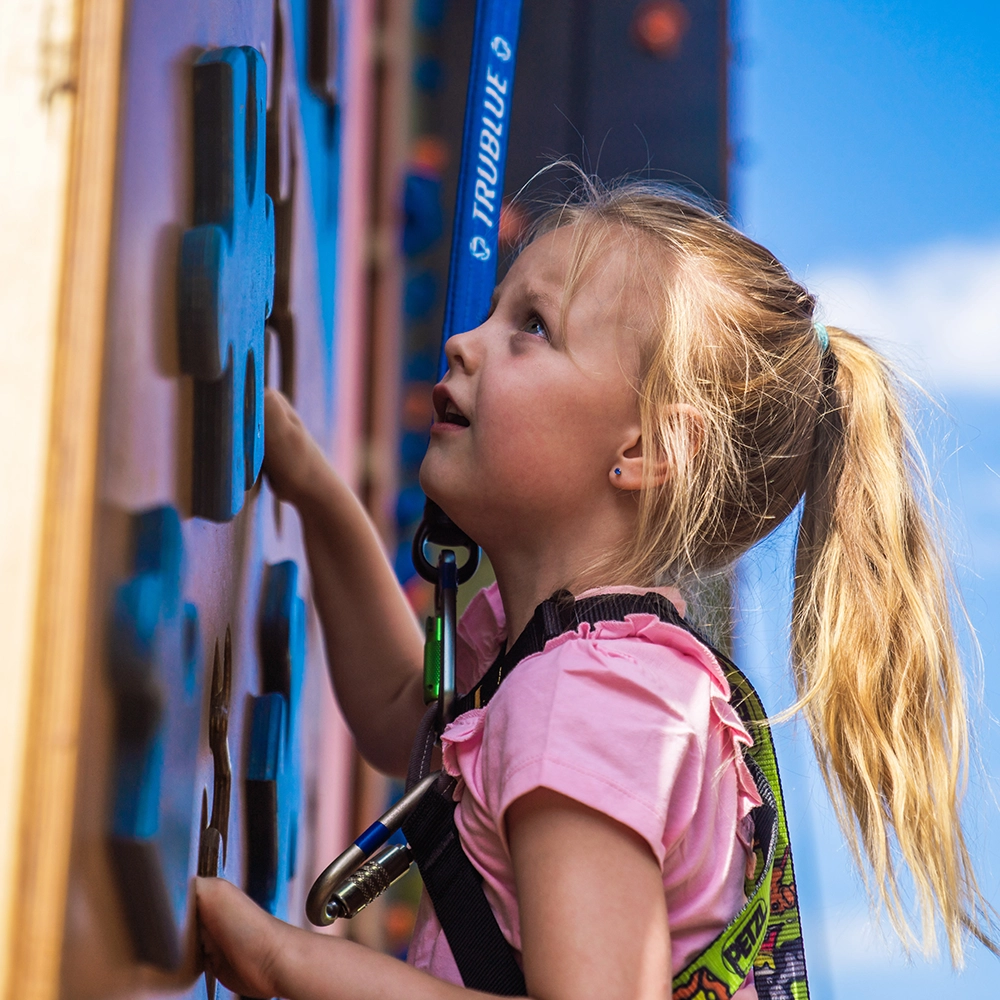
point(649, 396)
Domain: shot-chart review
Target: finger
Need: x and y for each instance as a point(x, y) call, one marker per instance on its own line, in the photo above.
point(275, 397)
point(215, 899)
point(239, 938)
point(274, 408)
point(277, 409)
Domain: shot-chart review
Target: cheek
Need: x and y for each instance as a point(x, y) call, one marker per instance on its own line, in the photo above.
point(552, 436)
point(537, 447)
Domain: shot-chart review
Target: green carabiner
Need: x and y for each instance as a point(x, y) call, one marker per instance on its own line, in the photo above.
point(432, 659)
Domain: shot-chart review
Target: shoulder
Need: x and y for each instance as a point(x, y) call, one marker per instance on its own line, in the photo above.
point(481, 632)
point(640, 665)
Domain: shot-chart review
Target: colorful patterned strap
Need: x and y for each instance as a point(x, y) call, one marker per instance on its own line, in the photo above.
point(766, 935)
point(717, 972)
point(780, 963)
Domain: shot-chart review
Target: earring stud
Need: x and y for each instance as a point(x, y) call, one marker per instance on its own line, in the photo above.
point(618, 472)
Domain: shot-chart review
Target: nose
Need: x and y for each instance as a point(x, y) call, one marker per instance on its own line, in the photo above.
point(463, 351)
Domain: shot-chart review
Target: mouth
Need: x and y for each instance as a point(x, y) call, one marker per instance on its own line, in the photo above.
point(446, 410)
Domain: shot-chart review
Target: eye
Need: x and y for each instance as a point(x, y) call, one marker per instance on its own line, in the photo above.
point(536, 327)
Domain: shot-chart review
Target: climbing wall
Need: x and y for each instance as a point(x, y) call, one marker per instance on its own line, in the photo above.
point(209, 739)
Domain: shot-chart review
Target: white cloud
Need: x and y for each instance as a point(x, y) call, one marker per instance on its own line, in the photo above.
point(936, 310)
point(858, 942)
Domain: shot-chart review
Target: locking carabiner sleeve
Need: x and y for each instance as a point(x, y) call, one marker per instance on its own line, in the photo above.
point(336, 892)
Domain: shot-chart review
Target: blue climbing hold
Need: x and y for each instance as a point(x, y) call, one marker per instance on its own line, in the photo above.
point(267, 800)
point(428, 74)
point(409, 506)
point(429, 14)
point(423, 221)
point(421, 367)
point(226, 279)
point(273, 786)
point(154, 670)
point(419, 295)
point(412, 448)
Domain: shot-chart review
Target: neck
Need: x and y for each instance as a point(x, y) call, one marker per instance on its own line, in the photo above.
point(530, 569)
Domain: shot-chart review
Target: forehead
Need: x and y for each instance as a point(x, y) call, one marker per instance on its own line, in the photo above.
point(583, 268)
point(557, 257)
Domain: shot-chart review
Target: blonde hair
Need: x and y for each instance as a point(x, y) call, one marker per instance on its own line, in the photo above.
point(873, 647)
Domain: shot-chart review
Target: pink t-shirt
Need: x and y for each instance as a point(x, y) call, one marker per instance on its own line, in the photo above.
point(629, 718)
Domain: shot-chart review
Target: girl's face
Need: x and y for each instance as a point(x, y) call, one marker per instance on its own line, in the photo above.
point(538, 406)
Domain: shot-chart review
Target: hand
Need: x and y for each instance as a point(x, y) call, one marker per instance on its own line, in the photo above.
point(291, 456)
point(243, 945)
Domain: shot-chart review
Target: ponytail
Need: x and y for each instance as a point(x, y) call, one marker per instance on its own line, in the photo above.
point(874, 653)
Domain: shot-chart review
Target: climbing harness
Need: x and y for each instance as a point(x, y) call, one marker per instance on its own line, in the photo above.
point(765, 936)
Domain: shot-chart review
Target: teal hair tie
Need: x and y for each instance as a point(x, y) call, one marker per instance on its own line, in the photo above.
point(822, 336)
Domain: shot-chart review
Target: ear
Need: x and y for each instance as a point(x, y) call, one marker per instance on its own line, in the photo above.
point(686, 430)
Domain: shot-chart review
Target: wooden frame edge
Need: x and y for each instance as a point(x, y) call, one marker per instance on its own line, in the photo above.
point(64, 594)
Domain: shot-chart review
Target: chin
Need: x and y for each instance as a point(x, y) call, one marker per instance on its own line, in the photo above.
point(443, 491)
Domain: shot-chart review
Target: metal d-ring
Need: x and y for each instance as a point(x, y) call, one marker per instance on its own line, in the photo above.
point(437, 528)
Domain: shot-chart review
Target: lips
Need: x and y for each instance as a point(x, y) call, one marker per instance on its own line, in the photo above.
point(446, 410)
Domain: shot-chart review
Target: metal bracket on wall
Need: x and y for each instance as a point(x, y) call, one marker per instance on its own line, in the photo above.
point(214, 832)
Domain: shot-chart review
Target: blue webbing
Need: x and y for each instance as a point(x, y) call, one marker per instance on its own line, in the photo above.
point(474, 238)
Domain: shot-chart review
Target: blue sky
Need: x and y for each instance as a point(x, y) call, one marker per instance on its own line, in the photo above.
point(869, 162)
point(866, 127)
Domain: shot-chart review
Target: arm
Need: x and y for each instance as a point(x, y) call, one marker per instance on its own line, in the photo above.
point(593, 923)
point(373, 643)
point(590, 899)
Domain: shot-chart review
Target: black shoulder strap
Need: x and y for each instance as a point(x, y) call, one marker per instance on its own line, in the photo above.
point(483, 955)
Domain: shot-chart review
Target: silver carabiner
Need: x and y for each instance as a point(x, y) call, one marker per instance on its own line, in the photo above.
point(446, 597)
point(369, 882)
point(349, 884)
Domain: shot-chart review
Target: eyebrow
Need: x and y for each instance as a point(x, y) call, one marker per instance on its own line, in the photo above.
point(530, 293)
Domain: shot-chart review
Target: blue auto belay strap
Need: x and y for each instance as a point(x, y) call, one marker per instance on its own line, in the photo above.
point(474, 238)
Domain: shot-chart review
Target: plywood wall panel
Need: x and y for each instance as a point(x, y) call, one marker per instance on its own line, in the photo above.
point(146, 456)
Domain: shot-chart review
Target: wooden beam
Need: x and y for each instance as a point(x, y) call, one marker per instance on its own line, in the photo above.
point(88, 83)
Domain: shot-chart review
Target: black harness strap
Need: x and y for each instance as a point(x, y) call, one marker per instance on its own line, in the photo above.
point(483, 956)
point(562, 613)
